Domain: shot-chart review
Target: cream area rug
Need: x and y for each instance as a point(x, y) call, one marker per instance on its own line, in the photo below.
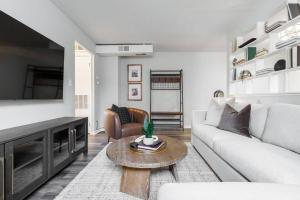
point(100, 179)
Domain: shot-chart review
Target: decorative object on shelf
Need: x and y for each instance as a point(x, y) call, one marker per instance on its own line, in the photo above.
point(280, 65)
point(247, 42)
point(250, 53)
point(290, 42)
point(261, 52)
point(135, 91)
point(239, 62)
point(134, 73)
point(294, 10)
point(219, 93)
point(245, 74)
point(264, 71)
point(234, 61)
point(233, 45)
point(270, 28)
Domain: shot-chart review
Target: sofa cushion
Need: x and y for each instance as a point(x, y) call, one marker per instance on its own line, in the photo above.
point(209, 134)
point(236, 121)
point(258, 118)
point(228, 191)
point(124, 115)
point(215, 110)
point(260, 162)
point(283, 126)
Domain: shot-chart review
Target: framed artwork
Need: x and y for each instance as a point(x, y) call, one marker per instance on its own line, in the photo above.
point(134, 73)
point(134, 91)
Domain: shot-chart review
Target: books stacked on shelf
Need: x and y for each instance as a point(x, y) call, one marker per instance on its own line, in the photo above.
point(236, 62)
point(290, 42)
point(264, 71)
point(233, 74)
point(270, 28)
point(261, 52)
point(153, 147)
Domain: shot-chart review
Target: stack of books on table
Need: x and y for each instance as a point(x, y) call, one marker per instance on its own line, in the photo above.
point(264, 71)
point(154, 147)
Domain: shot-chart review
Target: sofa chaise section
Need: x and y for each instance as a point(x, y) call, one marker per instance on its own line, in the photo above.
point(228, 191)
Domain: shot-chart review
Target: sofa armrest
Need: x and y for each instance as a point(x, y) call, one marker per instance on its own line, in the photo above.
point(228, 191)
point(198, 116)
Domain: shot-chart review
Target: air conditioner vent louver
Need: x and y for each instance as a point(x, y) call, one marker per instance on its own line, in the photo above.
point(123, 48)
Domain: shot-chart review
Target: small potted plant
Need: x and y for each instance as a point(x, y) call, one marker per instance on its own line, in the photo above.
point(148, 131)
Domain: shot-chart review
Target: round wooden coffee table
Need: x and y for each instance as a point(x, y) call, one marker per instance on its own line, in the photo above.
point(137, 165)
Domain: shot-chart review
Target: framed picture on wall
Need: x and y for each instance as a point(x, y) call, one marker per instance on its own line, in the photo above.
point(134, 73)
point(134, 91)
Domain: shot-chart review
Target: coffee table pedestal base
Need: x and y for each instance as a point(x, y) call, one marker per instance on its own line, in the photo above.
point(136, 182)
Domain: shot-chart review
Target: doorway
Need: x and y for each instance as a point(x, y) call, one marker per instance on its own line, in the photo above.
point(84, 90)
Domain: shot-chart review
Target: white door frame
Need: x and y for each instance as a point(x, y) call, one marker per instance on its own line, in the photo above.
point(92, 90)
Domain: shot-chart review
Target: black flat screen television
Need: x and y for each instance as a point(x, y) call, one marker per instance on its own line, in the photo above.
point(31, 65)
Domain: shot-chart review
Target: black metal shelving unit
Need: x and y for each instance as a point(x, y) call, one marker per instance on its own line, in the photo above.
point(167, 80)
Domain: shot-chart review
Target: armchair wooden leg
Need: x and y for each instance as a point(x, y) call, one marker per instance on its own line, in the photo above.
point(108, 138)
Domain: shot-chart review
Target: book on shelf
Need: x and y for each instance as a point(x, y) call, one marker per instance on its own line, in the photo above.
point(251, 53)
point(154, 147)
point(295, 56)
point(247, 42)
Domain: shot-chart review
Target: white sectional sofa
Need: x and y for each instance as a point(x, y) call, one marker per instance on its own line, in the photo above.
point(271, 155)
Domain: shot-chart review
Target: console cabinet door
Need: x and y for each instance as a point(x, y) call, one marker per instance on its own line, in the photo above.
point(79, 132)
point(26, 165)
point(60, 148)
point(1, 172)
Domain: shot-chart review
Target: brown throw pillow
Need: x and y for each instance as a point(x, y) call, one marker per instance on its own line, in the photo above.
point(236, 122)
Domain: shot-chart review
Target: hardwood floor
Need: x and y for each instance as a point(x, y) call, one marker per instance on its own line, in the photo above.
point(96, 143)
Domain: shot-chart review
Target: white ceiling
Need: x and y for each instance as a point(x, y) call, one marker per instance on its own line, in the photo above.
point(171, 25)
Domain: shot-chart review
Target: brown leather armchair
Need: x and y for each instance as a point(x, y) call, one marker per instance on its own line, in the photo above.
point(114, 129)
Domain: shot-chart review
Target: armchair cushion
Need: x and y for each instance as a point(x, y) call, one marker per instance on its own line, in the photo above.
point(124, 115)
point(115, 108)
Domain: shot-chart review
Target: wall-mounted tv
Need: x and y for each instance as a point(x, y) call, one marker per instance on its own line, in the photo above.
point(31, 65)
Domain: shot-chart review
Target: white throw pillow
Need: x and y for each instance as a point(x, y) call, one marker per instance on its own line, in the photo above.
point(215, 110)
point(283, 126)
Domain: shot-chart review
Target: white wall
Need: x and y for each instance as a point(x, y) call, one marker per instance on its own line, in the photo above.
point(107, 92)
point(203, 73)
point(44, 17)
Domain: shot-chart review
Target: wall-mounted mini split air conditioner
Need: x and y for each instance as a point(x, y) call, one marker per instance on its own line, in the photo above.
point(124, 49)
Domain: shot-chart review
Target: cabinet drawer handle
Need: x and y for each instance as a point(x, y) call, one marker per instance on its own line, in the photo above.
point(70, 141)
point(75, 133)
point(12, 172)
point(2, 177)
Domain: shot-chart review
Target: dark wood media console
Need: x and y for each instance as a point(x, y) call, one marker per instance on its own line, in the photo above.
point(32, 154)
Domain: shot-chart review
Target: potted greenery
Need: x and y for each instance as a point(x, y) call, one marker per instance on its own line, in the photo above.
point(148, 131)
